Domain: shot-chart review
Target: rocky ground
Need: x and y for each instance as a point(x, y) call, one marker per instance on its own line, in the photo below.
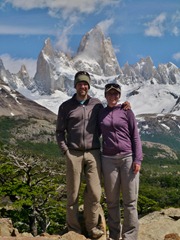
point(159, 225)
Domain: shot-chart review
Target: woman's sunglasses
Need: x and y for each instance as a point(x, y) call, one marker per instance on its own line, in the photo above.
point(112, 86)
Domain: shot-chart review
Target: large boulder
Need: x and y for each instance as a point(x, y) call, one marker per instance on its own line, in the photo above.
point(6, 227)
point(157, 225)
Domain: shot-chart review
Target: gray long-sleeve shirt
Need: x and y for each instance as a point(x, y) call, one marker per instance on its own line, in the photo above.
point(77, 124)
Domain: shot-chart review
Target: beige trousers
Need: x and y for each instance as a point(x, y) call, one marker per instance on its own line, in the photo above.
point(87, 164)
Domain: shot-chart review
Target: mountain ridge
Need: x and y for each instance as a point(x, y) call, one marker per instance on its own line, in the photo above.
point(153, 92)
point(157, 87)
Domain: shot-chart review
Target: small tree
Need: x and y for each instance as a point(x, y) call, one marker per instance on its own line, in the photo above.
point(32, 184)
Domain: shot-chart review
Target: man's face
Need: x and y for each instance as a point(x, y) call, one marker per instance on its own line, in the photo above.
point(82, 88)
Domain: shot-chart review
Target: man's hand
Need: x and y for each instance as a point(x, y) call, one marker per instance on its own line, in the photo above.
point(126, 105)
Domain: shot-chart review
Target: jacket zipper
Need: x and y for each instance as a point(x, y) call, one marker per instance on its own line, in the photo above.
point(84, 124)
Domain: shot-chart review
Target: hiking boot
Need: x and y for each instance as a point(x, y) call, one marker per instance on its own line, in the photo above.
point(96, 233)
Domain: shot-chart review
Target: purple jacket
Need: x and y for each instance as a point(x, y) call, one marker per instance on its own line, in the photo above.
point(120, 133)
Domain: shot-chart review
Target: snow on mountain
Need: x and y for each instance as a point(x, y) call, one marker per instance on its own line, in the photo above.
point(12, 103)
point(94, 46)
point(148, 89)
point(155, 98)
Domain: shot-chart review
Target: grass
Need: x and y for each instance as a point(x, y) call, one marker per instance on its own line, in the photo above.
point(49, 150)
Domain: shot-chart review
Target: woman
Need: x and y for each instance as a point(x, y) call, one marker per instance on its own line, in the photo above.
point(121, 163)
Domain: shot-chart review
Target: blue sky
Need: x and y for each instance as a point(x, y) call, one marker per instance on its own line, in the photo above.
point(137, 28)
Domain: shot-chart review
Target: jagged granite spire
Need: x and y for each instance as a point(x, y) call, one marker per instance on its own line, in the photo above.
point(6, 76)
point(25, 78)
point(44, 68)
point(95, 47)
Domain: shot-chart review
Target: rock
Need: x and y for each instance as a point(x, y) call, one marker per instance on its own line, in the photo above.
point(172, 236)
point(6, 227)
point(32, 238)
point(25, 234)
point(157, 225)
point(73, 236)
point(8, 232)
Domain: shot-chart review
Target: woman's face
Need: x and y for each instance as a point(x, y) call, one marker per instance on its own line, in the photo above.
point(112, 97)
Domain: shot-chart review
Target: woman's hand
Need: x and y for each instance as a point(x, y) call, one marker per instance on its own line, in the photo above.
point(136, 168)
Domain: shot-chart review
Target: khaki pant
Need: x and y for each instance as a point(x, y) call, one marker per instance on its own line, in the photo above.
point(87, 163)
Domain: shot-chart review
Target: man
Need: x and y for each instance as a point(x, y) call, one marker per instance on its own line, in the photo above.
point(78, 138)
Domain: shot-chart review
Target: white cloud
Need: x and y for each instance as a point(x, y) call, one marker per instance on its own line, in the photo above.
point(105, 25)
point(12, 30)
point(175, 24)
point(162, 23)
point(71, 11)
point(67, 6)
point(63, 40)
point(14, 65)
point(155, 28)
point(176, 56)
point(175, 31)
point(176, 17)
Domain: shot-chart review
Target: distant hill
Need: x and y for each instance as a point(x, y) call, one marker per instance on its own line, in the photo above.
point(12, 103)
point(164, 129)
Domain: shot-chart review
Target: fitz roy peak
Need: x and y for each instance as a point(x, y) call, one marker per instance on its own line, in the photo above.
point(95, 47)
point(149, 89)
point(95, 55)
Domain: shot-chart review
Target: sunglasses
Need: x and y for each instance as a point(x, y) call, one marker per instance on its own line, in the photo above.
point(82, 73)
point(112, 86)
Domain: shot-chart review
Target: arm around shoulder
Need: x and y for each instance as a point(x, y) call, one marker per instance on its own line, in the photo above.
point(126, 105)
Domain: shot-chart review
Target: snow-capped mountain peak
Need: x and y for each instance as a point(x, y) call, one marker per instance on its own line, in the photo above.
point(94, 46)
point(149, 89)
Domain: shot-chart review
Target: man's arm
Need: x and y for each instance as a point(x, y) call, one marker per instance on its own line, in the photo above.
point(61, 130)
point(126, 105)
